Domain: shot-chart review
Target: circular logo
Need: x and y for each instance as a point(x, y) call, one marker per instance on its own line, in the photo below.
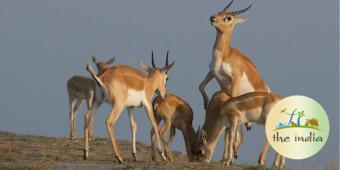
point(297, 127)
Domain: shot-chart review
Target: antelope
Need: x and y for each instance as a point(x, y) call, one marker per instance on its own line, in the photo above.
point(235, 73)
point(124, 86)
point(82, 88)
point(176, 114)
point(202, 137)
point(250, 107)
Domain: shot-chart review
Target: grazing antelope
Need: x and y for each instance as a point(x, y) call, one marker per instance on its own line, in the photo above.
point(204, 137)
point(234, 72)
point(124, 86)
point(81, 88)
point(250, 107)
point(176, 114)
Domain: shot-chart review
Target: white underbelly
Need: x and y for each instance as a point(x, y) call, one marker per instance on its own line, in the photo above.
point(135, 98)
point(245, 85)
point(252, 115)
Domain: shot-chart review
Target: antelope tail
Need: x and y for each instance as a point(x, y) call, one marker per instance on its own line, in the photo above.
point(102, 86)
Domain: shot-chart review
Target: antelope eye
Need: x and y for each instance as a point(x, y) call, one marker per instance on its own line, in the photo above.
point(167, 79)
point(227, 19)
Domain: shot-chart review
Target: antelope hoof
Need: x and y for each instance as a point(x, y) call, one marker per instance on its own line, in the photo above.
point(228, 163)
point(171, 159)
point(278, 166)
point(85, 155)
point(120, 159)
point(153, 157)
point(163, 156)
point(261, 163)
point(134, 157)
point(169, 156)
point(223, 161)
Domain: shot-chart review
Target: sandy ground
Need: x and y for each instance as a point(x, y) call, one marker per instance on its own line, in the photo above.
point(39, 152)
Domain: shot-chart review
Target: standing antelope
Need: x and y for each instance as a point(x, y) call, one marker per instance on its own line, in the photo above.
point(81, 88)
point(176, 113)
point(235, 73)
point(124, 86)
point(208, 135)
point(250, 107)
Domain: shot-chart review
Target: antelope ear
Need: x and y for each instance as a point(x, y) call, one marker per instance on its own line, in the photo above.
point(145, 67)
point(241, 20)
point(168, 67)
point(94, 59)
point(111, 60)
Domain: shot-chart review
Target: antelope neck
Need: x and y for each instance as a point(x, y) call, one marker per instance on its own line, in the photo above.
point(191, 135)
point(222, 43)
point(214, 131)
point(151, 82)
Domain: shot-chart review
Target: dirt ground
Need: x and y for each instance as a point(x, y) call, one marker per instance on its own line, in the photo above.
point(39, 152)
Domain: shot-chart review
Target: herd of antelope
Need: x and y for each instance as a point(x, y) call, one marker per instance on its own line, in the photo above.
point(244, 98)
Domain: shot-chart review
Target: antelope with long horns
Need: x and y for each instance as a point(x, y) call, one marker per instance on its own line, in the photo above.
point(176, 113)
point(124, 86)
point(234, 72)
point(250, 107)
point(80, 88)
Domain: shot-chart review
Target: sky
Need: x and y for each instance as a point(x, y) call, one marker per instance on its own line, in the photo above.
point(43, 43)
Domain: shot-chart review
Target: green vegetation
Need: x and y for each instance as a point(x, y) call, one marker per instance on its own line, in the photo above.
point(286, 127)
